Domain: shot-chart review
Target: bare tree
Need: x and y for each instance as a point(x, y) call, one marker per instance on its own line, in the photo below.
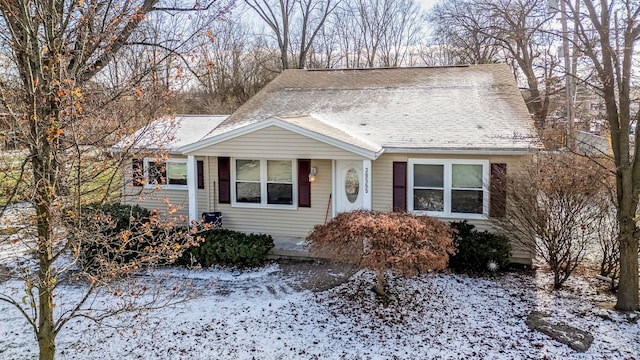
point(464, 37)
point(325, 52)
point(403, 31)
point(378, 32)
point(609, 249)
point(517, 32)
point(295, 24)
point(348, 30)
point(436, 54)
point(68, 99)
point(231, 67)
point(607, 33)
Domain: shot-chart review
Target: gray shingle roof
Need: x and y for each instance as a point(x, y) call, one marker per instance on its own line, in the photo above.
point(171, 132)
point(320, 127)
point(476, 107)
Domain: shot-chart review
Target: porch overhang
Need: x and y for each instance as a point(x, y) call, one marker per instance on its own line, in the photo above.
point(303, 125)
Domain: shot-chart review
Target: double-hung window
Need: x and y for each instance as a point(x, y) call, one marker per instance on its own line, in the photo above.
point(449, 187)
point(263, 182)
point(170, 174)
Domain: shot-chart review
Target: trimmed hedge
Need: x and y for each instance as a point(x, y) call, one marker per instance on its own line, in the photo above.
point(476, 249)
point(229, 248)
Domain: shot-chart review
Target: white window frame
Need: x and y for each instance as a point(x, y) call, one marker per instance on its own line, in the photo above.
point(263, 185)
point(168, 162)
point(447, 173)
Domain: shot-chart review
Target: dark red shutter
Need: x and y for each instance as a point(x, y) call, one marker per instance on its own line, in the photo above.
point(200, 168)
point(399, 186)
point(304, 186)
point(138, 172)
point(224, 180)
point(498, 190)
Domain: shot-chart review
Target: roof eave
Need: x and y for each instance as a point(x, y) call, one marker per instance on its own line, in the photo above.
point(462, 151)
point(141, 149)
point(274, 121)
point(117, 147)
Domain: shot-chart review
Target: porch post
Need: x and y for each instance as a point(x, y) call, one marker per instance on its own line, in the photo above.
point(192, 185)
point(334, 185)
point(366, 188)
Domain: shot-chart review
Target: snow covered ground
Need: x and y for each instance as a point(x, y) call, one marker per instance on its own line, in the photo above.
point(266, 314)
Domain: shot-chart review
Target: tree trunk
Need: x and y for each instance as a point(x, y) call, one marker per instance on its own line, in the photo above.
point(627, 299)
point(284, 58)
point(45, 169)
point(557, 284)
point(536, 101)
point(43, 153)
point(46, 334)
point(380, 283)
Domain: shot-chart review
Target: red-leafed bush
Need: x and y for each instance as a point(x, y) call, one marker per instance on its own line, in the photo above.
point(401, 242)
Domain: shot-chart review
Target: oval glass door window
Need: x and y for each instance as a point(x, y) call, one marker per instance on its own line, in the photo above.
point(352, 185)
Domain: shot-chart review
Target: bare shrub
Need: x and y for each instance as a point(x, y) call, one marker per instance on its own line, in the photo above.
point(398, 242)
point(608, 246)
point(555, 205)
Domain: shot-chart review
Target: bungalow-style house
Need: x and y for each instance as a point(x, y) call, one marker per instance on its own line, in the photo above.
point(314, 143)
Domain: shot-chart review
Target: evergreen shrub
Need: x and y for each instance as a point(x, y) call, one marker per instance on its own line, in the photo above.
point(478, 251)
point(109, 223)
point(229, 248)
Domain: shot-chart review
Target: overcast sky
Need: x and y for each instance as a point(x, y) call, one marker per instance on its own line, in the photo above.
point(427, 4)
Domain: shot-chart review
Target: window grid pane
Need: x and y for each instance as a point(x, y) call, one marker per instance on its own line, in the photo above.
point(176, 173)
point(248, 192)
point(280, 194)
point(428, 200)
point(279, 171)
point(449, 187)
point(157, 173)
point(466, 176)
point(255, 177)
point(428, 176)
point(279, 182)
point(248, 170)
point(467, 201)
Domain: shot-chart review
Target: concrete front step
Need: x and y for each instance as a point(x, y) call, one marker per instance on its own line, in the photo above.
point(293, 254)
point(291, 248)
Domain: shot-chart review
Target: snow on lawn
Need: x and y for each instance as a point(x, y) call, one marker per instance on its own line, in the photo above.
point(13, 232)
point(265, 314)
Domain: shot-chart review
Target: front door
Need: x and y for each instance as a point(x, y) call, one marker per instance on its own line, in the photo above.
point(349, 186)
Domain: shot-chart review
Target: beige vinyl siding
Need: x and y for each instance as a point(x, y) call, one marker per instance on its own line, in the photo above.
point(285, 223)
point(382, 189)
point(276, 143)
point(159, 198)
point(280, 223)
